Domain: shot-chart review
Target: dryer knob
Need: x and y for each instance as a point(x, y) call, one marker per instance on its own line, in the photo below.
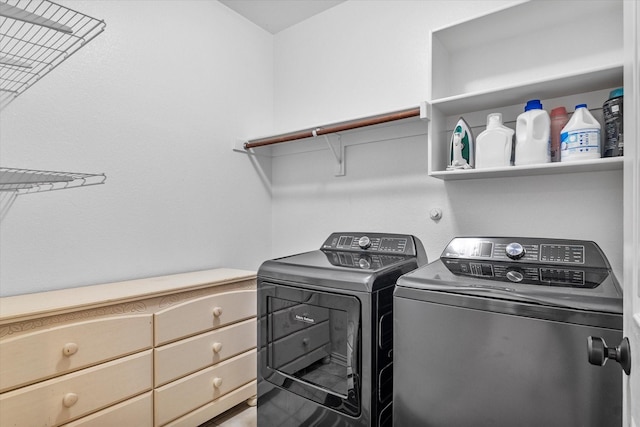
point(364, 242)
point(515, 250)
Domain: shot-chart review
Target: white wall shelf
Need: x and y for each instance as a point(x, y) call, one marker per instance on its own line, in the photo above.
point(611, 163)
point(556, 86)
point(499, 61)
point(527, 42)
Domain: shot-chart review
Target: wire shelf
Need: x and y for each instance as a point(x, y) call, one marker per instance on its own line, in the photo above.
point(35, 37)
point(14, 182)
point(33, 181)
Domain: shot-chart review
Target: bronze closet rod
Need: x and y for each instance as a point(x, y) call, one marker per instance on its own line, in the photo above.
point(339, 127)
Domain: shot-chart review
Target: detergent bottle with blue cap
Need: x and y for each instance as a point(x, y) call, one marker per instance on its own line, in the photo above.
point(580, 138)
point(532, 135)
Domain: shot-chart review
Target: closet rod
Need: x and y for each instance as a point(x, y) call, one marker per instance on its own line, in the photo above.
point(338, 127)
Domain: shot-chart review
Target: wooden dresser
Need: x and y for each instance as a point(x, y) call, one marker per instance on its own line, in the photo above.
point(172, 350)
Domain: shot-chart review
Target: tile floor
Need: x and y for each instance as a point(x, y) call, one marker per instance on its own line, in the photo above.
point(238, 416)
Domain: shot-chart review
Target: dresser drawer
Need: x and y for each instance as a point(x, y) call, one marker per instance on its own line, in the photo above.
point(183, 357)
point(186, 394)
point(217, 407)
point(203, 314)
point(59, 400)
point(135, 412)
point(51, 352)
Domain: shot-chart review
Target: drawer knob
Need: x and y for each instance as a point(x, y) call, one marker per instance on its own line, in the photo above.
point(69, 400)
point(217, 382)
point(217, 346)
point(217, 311)
point(69, 349)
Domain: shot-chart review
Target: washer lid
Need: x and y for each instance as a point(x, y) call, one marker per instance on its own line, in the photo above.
point(553, 272)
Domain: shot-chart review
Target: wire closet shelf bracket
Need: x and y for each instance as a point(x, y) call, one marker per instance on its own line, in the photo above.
point(35, 37)
point(14, 182)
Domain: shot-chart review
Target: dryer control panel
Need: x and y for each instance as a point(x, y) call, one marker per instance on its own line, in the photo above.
point(398, 244)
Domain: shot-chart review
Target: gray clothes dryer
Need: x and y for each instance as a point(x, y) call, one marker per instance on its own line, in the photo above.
point(495, 333)
point(325, 331)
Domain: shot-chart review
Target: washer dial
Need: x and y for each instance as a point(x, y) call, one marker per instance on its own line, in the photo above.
point(515, 276)
point(364, 263)
point(515, 250)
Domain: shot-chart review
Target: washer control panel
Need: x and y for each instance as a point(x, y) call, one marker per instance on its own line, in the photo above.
point(573, 263)
point(553, 251)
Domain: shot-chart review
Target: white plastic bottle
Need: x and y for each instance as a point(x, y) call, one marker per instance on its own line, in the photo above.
point(532, 135)
point(493, 145)
point(580, 138)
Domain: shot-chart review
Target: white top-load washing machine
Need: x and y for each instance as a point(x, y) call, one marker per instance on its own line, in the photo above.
point(501, 332)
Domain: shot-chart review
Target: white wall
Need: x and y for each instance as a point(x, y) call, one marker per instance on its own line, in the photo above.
point(154, 102)
point(367, 57)
point(360, 58)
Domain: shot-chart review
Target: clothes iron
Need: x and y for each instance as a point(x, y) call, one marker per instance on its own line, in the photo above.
point(461, 152)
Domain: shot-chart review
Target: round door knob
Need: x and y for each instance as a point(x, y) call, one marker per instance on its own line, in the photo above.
point(515, 250)
point(364, 242)
point(217, 382)
point(217, 346)
point(599, 353)
point(217, 311)
point(305, 342)
point(69, 400)
point(69, 349)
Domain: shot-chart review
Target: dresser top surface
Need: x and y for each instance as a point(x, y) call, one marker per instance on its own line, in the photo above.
point(20, 307)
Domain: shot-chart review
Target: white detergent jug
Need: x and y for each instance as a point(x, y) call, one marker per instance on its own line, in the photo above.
point(532, 135)
point(493, 145)
point(580, 138)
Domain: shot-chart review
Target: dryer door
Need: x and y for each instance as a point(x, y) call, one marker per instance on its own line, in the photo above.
point(310, 344)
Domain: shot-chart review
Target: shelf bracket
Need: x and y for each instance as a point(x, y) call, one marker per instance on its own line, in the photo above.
point(338, 153)
point(425, 111)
